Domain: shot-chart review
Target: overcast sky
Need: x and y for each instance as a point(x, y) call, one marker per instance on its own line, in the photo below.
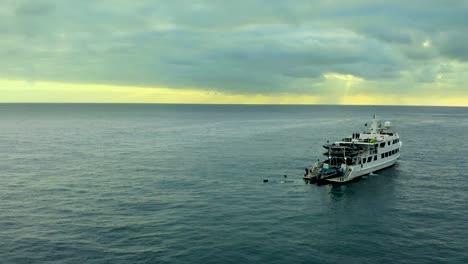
point(326, 49)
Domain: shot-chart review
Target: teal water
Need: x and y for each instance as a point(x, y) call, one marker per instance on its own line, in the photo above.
point(96, 183)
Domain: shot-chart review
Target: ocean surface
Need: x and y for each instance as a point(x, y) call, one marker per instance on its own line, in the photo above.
point(129, 183)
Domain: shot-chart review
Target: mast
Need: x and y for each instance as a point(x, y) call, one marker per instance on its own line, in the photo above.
point(374, 126)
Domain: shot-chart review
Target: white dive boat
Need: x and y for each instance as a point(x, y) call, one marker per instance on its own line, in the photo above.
point(357, 155)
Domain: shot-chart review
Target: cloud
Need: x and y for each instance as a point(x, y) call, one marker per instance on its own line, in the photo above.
point(266, 47)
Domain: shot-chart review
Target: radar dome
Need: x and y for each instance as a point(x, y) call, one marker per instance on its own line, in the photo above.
point(388, 124)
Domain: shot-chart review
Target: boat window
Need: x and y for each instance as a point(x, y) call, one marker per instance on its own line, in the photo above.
point(369, 159)
point(386, 154)
point(383, 155)
point(375, 157)
point(388, 143)
point(382, 144)
point(363, 160)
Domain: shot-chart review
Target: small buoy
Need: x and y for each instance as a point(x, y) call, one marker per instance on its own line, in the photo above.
point(285, 176)
point(265, 180)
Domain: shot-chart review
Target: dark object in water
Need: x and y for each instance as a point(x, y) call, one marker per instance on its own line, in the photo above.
point(265, 180)
point(285, 176)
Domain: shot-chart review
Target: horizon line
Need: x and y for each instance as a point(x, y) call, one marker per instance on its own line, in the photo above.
point(246, 104)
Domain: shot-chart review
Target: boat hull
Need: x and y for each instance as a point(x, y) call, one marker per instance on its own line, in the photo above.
point(358, 172)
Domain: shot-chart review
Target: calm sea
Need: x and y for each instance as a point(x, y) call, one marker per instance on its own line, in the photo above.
point(118, 183)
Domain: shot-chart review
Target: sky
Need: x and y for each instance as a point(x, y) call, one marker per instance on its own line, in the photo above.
point(241, 52)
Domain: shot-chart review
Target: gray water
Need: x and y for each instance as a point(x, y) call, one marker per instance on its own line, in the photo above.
point(97, 183)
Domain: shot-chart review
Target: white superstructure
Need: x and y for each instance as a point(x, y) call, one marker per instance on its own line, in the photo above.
point(357, 155)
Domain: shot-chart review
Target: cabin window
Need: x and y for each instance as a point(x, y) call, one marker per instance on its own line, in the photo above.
point(363, 160)
point(388, 143)
point(375, 157)
point(383, 155)
point(369, 159)
point(382, 145)
point(386, 154)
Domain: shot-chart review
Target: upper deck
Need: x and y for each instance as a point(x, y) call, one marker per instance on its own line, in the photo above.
point(376, 133)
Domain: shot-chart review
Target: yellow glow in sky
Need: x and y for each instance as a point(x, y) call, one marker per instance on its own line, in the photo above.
point(12, 91)
point(55, 92)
